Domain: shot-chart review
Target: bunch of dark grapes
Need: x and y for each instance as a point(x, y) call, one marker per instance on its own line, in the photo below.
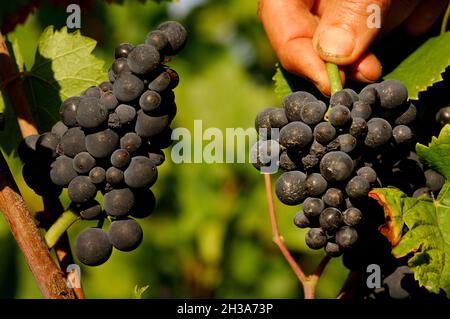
point(110, 139)
point(366, 141)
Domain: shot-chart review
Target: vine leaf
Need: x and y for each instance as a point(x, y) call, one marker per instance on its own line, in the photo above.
point(425, 66)
point(63, 66)
point(286, 83)
point(428, 238)
point(437, 154)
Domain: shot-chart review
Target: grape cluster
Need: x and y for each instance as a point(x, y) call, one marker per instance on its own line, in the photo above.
point(366, 141)
point(110, 139)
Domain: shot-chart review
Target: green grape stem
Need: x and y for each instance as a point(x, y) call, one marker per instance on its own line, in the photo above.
point(67, 219)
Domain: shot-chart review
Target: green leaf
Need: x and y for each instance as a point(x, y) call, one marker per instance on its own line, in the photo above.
point(139, 291)
point(425, 66)
point(437, 154)
point(64, 66)
point(428, 238)
point(286, 83)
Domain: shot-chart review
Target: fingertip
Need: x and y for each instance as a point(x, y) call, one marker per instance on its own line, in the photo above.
point(367, 69)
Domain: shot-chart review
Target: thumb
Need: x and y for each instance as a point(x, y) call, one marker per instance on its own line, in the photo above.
point(347, 28)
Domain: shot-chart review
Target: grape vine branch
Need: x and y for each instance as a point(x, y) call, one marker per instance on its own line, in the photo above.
point(309, 282)
point(52, 206)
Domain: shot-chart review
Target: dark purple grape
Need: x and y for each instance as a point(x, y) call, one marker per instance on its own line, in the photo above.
point(102, 144)
point(392, 93)
point(301, 221)
point(443, 116)
point(127, 87)
point(370, 95)
point(83, 162)
point(109, 100)
point(149, 126)
point(352, 216)
point(313, 112)
point(130, 142)
point(122, 50)
point(125, 234)
point(120, 65)
point(277, 118)
point(144, 203)
point(402, 134)
point(176, 36)
point(343, 98)
point(125, 113)
point(368, 173)
point(357, 187)
point(330, 219)
point(295, 135)
point(290, 188)
point(89, 211)
point(333, 197)
point(68, 111)
point(97, 175)
point(315, 238)
point(114, 176)
point(120, 158)
point(72, 142)
point(361, 109)
point(358, 128)
point(92, 247)
point(408, 116)
point(316, 184)
point(105, 86)
point(294, 102)
point(118, 202)
point(81, 189)
point(262, 123)
point(336, 166)
point(141, 173)
point(312, 207)
point(434, 180)
point(346, 237)
point(91, 113)
point(143, 59)
point(339, 116)
point(59, 129)
point(423, 191)
point(157, 156)
point(379, 132)
point(62, 172)
point(347, 143)
point(150, 101)
point(333, 249)
point(158, 39)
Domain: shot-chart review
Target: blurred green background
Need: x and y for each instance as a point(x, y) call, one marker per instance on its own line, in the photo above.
point(210, 235)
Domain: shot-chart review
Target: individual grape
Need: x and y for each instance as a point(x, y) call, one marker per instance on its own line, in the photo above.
point(144, 203)
point(97, 175)
point(277, 118)
point(290, 188)
point(312, 207)
point(315, 238)
point(443, 116)
point(59, 129)
point(352, 216)
point(92, 247)
point(102, 144)
point(143, 59)
point(408, 116)
point(294, 102)
point(120, 158)
point(336, 166)
point(333, 197)
point(118, 202)
point(333, 249)
point(81, 189)
point(157, 156)
point(392, 93)
point(83, 162)
point(315, 184)
point(72, 142)
point(130, 142)
point(402, 134)
point(47, 144)
point(120, 65)
point(361, 109)
point(313, 112)
point(174, 78)
point(114, 176)
point(330, 219)
point(27, 148)
point(423, 191)
point(91, 112)
point(339, 116)
point(346, 237)
point(370, 94)
point(122, 50)
point(357, 187)
point(343, 98)
point(161, 83)
point(263, 152)
point(295, 135)
point(301, 221)
point(157, 39)
point(92, 91)
point(126, 113)
point(62, 172)
point(68, 111)
point(149, 126)
point(90, 211)
point(141, 172)
point(125, 234)
point(347, 143)
point(368, 173)
point(114, 121)
point(262, 122)
point(127, 87)
point(150, 101)
point(105, 86)
point(286, 163)
point(358, 128)
point(309, 162)
point(176, 35)
point(379, 132)
point(317, 149)
point(109, 100)
point(352, 93)
point(434, 180)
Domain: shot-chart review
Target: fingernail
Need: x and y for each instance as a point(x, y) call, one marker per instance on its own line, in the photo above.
point(336, 42)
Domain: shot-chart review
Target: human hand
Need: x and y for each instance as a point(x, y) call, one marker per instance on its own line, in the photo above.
point(305, 33)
